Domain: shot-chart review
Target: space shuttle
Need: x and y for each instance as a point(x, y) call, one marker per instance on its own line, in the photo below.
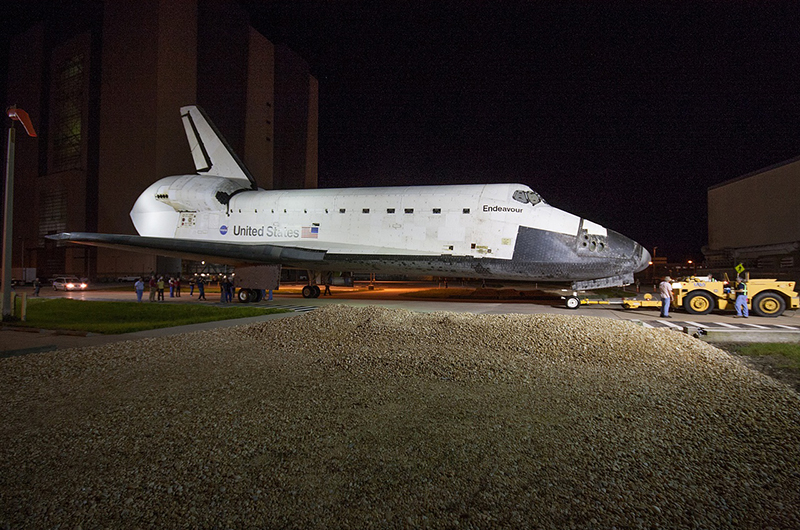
point(504, 232)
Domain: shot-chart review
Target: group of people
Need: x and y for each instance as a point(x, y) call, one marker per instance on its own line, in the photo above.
point(158, 285)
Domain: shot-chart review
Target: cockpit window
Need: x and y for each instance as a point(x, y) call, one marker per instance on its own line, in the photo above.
point(527, 196)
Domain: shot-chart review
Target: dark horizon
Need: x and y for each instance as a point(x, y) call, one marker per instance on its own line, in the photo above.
point(620, 112)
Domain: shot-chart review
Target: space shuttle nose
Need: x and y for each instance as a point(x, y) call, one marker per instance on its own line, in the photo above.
point(642, 256)
point(625, 250)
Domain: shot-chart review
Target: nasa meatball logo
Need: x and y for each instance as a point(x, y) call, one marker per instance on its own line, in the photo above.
point(223, 230)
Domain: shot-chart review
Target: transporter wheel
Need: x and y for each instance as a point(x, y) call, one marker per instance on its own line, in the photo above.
point(317, 291)
point(698, 303)
point(573, 302)
point(244, 296)
point(308, 291)
point(768, 305)
point(258, 295)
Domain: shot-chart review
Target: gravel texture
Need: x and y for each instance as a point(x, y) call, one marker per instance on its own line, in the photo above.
point(374, 418)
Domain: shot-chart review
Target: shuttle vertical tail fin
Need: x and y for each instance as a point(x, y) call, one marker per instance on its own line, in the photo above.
point(211, 153)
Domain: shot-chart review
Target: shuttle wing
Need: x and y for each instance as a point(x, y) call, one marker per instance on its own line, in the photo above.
point(211, 153)
point(230, 253)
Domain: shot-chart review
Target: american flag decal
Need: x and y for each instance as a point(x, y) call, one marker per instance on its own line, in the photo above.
point(310, 232)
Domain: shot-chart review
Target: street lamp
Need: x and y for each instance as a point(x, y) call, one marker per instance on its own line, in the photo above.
point(8, 213)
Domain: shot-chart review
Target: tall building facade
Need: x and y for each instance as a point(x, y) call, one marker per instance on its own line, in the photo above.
point(104, 81)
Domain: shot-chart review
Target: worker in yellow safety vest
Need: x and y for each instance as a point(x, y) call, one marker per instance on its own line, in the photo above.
point(741, 299)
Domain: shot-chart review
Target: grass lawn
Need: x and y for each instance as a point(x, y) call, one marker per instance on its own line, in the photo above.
point(788, 352)
point(780, 360)
point(126, 317)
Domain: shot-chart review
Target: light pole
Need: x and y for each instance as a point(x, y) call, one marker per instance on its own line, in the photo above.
point(8, 212)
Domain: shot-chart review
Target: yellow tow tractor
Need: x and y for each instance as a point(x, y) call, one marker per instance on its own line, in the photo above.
point(699, 295)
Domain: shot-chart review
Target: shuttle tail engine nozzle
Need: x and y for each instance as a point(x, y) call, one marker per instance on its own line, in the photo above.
point(196, 193)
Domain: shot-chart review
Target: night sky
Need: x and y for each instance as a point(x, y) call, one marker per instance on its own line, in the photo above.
point(621, 112)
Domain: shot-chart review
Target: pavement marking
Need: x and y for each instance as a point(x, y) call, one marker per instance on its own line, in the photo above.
point(719, 326)
point(754, 325)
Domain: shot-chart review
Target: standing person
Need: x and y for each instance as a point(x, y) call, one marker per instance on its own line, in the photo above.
point(201, 291)
point(161, 288)
point(328, 280)
point(191, 286)
point(178, 287)
point(741, 299)
point(171, 287)
point(139, 288)
point(153, 287)
point(667, 296)
point(36, 286)
point(225, 290)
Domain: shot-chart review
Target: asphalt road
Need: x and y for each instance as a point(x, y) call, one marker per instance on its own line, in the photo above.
point(401, 295)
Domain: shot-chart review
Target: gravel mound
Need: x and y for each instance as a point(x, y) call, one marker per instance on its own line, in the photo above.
point(374, 418)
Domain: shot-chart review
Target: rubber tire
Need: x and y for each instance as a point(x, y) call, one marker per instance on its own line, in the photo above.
point(308, 291)
point(258, 295)
point(774, 305)
point(698, 303)
point(317, 291)
point(572, 302)
point(244, 296)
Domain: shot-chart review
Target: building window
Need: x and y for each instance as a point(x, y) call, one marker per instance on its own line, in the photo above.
point(465, 210)
point(409, 210)
point(365, 210)
point(52, 212)
point(766, 263)
point(342, 210)
point(67, 103)
point(437, 210)
point(389, 210)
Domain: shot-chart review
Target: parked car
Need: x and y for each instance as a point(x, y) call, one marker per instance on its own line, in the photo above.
point(68, 283)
